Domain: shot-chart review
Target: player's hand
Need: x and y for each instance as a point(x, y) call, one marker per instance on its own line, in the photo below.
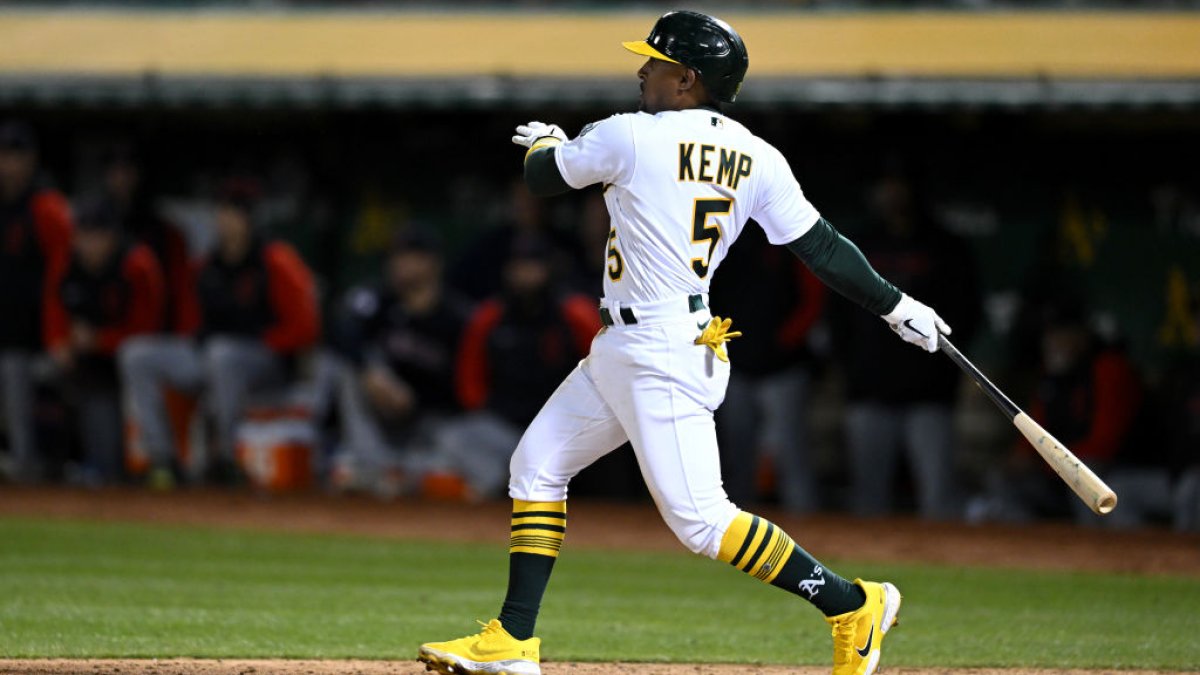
point(527, 134)
point(917, 323)
point(83, 336)
point(63, 357)
point(387, 394)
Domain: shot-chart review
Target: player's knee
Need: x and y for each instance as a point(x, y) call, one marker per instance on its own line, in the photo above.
point(533, 481)
point(221, 355)
point(138, 354)
point(530, 489)
point(700, 530)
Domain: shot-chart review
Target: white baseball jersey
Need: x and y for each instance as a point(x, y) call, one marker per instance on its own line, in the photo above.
point(680, 186)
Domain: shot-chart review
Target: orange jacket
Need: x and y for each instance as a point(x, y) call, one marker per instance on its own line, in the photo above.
point(1104, 407)
point(141, 312)
point(474, 373)
point(291, 294)
point(54, 226)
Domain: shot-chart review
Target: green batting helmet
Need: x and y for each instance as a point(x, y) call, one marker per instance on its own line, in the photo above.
point(703, 43)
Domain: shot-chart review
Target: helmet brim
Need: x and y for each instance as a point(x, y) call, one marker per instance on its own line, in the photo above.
point(642, 47)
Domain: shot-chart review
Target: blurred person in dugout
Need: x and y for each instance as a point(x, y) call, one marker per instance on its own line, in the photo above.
point(35, 247)
point(479, 270)
point(397, 343)
point(909, 411)
point(123, 186)
point(777, 301)
point(1089, 397)
point(1182, 397)
point(516, 349)
point(252, 313)
point(113, 289)
point(1164, 487)
point(592, 234)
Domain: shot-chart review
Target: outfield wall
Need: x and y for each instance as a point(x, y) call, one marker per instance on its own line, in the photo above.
point(1142, 51)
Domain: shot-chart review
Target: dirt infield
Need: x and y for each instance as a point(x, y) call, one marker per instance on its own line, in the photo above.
point(630, 526)
point(281, 667)
point(593, 525)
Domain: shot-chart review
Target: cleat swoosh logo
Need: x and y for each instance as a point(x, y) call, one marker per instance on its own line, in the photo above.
point(908, 325)
point(867, 648)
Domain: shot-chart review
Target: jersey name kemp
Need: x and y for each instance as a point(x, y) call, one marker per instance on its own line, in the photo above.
point(696, 163)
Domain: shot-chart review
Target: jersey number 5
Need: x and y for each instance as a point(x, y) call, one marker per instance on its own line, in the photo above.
point(616, 266)
point(702, 231)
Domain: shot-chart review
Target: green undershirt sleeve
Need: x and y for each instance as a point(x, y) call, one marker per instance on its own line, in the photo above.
point(541, 173)
point(838, 262)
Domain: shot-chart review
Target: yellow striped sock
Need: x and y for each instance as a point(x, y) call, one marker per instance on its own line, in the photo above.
point(538, 527)
point(756, 546)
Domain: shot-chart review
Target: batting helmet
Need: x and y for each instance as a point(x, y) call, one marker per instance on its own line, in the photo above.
point(703, 43)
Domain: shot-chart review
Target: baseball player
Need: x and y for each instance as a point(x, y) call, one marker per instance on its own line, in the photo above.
point(680, 180)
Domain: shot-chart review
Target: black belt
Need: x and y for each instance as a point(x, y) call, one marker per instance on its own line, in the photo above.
point(695, 304)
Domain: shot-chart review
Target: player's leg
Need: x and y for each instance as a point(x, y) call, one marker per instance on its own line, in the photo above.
point(670, 423)
point(99, 420)
point(16, 380)
point(739, 434)
point(929, 440)
point(873, 433)
point(234, 368)
point(677, 452)
point(147, 364)
point(573, 429)
point(784, 400)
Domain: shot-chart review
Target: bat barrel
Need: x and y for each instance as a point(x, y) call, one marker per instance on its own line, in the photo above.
point(1083, 481)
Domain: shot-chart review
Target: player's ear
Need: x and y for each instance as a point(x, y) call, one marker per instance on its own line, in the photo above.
point(687, 80)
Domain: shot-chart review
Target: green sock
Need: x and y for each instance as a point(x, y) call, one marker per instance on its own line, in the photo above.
point(537, 533)
point(527, 577)
point(805, 576)
point(762, 550)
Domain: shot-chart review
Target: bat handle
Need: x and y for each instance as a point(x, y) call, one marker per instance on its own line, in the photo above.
point(998, 397)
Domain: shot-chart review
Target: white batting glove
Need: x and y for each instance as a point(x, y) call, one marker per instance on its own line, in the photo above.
point(529, 133)
point(917, 323)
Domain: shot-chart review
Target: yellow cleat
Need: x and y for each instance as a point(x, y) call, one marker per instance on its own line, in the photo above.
point(858, 635)
point(490, 652)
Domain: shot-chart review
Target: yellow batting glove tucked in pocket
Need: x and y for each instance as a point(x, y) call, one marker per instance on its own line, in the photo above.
point(716, 334)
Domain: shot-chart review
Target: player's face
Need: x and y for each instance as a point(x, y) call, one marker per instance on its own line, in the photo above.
point(16, 170)
point(660, 82)
point(233, 225)
point(94, 246)
point(121, 179)
point(413, 269)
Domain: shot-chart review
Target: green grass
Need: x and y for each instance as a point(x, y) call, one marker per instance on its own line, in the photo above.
point(70, 589)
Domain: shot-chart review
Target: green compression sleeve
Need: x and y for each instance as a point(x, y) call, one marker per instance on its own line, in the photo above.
point(541, 173)
point(838, 262)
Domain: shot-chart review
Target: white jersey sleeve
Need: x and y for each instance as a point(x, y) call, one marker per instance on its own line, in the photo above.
point(782, 211)
point(602, 153)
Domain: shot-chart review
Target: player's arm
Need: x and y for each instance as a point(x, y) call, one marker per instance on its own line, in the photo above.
point(843, 267)
point(836, 261)
point(541, 168)
point(789, 219)
point(603, 152)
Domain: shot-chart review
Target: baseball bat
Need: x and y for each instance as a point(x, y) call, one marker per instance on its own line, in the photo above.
point(1093, 491)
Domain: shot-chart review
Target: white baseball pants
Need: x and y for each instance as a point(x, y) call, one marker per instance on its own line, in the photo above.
point(650, 384)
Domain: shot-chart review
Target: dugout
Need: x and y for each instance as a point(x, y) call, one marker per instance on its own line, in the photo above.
point(1046, 138)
